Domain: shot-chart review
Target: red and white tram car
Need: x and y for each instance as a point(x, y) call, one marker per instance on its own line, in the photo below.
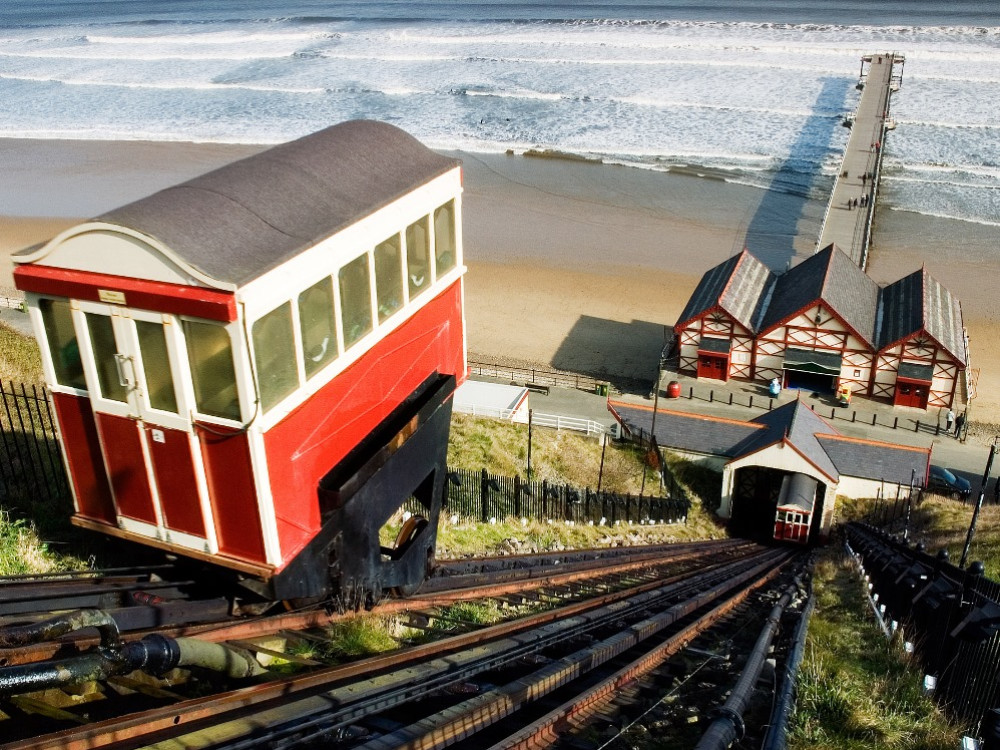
point(254, 368)
point(794, 512)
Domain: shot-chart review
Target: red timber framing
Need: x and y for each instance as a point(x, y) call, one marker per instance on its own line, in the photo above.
point(817, 328)
point(916, 371)
point(713, 345)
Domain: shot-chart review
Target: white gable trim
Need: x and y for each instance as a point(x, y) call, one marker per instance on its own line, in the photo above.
point(100, 247)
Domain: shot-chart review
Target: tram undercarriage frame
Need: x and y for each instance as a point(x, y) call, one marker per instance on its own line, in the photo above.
point(404, 457)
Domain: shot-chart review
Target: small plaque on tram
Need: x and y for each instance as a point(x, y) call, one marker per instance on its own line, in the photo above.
point(111, 297)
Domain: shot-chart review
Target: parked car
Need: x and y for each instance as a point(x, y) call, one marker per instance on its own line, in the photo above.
point(945, 482)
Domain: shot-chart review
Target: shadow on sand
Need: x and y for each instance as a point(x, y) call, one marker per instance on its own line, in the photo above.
point(627, 354)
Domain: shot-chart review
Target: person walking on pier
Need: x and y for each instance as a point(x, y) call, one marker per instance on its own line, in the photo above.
point(949, 420)
point(959, 424)
point(864, 178)
point(848, 204)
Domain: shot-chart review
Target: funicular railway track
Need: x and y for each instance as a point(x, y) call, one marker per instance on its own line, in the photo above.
point(626, 615)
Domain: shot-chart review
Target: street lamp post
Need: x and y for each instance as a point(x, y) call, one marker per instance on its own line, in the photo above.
point(979, 503)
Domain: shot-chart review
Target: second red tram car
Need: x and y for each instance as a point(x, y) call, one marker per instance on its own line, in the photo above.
point(254, 368)
point(796, 501)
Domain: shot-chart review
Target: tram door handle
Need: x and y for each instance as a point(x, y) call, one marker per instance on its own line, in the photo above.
point(125, 379)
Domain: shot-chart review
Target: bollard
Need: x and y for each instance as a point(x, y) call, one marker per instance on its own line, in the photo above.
point(874, 419)
point(770, 404)
point(711, 396)
point(854, 416)
point(917, 428)
point(690, 393)
point(730, 398)
point(895, 423)
point(751, 400)
point(833, 414)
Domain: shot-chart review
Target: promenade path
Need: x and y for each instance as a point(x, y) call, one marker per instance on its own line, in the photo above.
point(844, 225)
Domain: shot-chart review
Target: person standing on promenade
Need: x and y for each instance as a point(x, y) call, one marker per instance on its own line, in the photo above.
point(959, 424)
point(949, 421)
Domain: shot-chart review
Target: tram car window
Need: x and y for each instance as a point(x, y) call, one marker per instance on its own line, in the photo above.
point(388, 277)
point(65, 352)
point(418, 257)
point(253, 371)
point(213, 375)
point(318, 325)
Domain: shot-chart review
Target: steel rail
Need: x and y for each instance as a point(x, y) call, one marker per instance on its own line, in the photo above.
point(458, 722)
point(300, 728)
point(191, 712)
point(547, 729)
point(318, 617)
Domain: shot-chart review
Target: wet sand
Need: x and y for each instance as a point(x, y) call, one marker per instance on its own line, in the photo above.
point(572, 265)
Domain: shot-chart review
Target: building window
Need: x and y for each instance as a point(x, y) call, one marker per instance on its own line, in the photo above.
point(355, 300)
point(156, 366)
point(316, 321)
point(274, 355)
point(63, 348)
point(445, 252)
point(418, 257)
point(210, 354)
point(388, 277)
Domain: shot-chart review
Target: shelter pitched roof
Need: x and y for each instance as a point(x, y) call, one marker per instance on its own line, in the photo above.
point(685, 431)
point(869, 459)
point(819, 442)
point(739, 286)
point(917, 303)
point(244, 219)
point(830, 277)
point(800, 425)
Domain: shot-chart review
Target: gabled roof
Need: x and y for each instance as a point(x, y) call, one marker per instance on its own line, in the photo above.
point(244, 219)
point(800, 425)
point(832, 278)
point(685, 431)
point(833, 454)
point(738, 286)
point(919, 303)
point(870, 459)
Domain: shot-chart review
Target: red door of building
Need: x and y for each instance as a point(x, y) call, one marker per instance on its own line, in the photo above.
point(911, 394)
point(713, 366)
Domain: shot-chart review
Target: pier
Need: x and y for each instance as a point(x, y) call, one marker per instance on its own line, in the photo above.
point(848, 218)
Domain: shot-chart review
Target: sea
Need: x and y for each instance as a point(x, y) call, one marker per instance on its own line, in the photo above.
point(750, 92)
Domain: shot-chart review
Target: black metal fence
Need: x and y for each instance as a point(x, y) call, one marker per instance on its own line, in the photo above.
point(31, 466)
point(825, 406)
point(950, 617)
point(484, 497)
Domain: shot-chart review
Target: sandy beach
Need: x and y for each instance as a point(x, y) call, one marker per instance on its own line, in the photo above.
point(572, 265)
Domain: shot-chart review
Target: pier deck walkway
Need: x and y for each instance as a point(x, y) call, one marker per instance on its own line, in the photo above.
point(847, 225)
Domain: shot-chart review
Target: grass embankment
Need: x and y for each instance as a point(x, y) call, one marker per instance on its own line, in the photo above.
point(856, 690)
point(19, 358)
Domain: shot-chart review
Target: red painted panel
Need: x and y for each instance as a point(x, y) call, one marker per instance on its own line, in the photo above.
point(174, 471)
point(83, 454)
point(713, 366)
point(126, 464)
point(313, 438)
point(159, 296)
point(232, 492)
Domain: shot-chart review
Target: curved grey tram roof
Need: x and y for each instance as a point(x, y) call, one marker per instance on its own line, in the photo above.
point(246, 218)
